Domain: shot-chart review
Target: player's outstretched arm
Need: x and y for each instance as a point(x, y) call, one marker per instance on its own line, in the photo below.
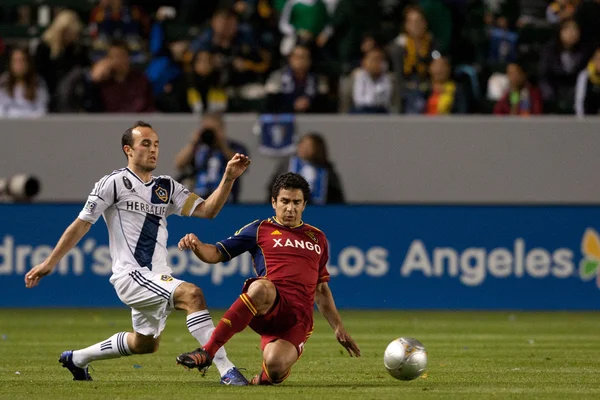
point(205, 252)
point(213, 204)
point(67, 241)
point(326, 305)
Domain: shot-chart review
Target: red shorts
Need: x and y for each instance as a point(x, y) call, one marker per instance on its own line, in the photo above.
point(284, 321)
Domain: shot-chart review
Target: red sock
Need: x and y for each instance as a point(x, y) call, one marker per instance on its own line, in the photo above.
point(235, 320)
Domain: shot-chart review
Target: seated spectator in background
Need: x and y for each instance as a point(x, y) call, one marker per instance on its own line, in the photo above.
point(203, 160)
point(561, 61)
point(446, 96)
point(305, 21)
point(118, 88)
point(587, 92)
point(165, 66)
point(411, 53)
point(198, 91)
point(23, 93)
point(312, 162)
point(262, 18)
point(60, 51)
point(503, 42)
point(114, 19)
point(373, 86)
point(588, 17)
point(294, 88)
point(237, 55)
point(521, 98)
point(352, 21)
point(532, 12)
point(559, 10)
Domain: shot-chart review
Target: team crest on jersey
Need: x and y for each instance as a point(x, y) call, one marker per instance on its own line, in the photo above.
point(162, 194)
point(166, 278)
point(312, 236)
point(127, 183)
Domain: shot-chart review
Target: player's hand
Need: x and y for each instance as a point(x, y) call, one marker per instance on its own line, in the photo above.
point(236, 166)
point(346, 340)
point(32, 278)
point(189, 242)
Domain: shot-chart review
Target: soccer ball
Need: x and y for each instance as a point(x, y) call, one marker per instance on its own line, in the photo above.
point(405, 358)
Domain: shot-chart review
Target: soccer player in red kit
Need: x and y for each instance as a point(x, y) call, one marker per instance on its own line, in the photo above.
point(290, 259)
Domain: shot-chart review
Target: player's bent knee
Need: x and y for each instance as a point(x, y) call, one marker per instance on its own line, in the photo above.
point(189, 297)
point(263, 295)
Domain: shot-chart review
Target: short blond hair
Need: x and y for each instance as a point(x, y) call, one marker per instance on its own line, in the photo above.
point(64, 20)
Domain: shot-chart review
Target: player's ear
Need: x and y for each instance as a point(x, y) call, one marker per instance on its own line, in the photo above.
point(304, 205)
point(273, 202)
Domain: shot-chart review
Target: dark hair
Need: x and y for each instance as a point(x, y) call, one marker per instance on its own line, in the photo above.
point(321, 158)
point(127, 138)
point(290, 180)
point(121, 44)
point(30, 78)
point(226, 12)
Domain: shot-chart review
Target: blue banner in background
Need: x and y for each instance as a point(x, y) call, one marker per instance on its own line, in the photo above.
point(398, 257)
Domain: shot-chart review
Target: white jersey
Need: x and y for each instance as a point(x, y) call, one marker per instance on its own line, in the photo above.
point(136, 216)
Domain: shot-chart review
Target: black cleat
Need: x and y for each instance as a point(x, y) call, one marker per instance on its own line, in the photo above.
point(79, 374)
point(195, 359)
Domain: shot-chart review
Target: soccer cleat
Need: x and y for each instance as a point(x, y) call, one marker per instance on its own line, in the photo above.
point(195, 359)
point(79, 374)
point(234, 377)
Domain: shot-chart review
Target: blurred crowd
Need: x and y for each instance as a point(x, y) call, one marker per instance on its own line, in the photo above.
point(433, 57)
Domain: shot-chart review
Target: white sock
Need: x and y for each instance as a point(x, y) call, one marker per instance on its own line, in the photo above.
point(201, 327)
point(113, 347)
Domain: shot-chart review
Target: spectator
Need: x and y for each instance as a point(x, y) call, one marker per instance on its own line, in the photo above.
point(373, 87)
point(411, 53)
point(561, 61)
point(237, 55)
point(164, 68)
point(203, 160)
point(312, 162)
point(521, 98)
point(118, 88)
point(60, 51)
point(559, 10)
point(532, 12)
point(587, 16)
point(114, 19)
point(305, 21)
point(23, 93)
point(294, 89)
point(199, 91)
point(446, 96)
point(352, 21)
point(587, 98)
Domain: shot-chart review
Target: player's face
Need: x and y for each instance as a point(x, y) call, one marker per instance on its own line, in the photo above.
point(289, 206)
point(144, 153)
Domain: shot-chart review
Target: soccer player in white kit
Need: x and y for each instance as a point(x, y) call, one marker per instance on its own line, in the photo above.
point(135, 206)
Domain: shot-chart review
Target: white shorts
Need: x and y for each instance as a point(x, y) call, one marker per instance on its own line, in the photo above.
point(150, 296)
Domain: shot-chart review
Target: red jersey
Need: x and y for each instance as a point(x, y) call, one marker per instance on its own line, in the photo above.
point(294, 259)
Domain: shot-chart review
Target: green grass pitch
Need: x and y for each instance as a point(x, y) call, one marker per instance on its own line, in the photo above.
point(472, 355)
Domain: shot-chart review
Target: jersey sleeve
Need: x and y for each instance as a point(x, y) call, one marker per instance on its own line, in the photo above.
point(183, 202)
point(103, 196)
point(323, 272)
point(243, 240)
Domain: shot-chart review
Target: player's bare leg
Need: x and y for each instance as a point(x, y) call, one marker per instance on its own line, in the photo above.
point(190, 298)
point(258, 300)
point(278, 358)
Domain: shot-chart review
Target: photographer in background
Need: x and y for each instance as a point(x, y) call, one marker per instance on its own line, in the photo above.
point(203, 160)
